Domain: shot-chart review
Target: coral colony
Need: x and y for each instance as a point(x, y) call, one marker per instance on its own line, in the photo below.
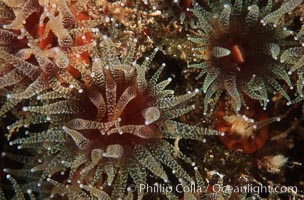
point(151, 99)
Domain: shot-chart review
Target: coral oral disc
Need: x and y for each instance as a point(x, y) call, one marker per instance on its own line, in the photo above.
point(238, 54)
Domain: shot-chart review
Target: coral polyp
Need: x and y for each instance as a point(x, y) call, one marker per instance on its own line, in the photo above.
point(246, 50)
point(247, 131)
point(116, 127)
point(48, 46)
